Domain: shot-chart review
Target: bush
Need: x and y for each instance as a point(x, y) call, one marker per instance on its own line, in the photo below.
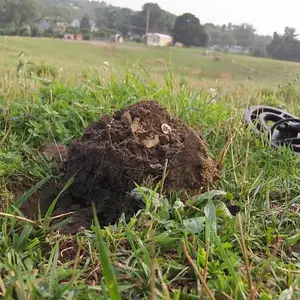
point(58, 35)
point(71, 30)
point(137, 39)
point(259, 53)
point(87, 36)
point(25, 31)
point(35, 32)
point(48, 33)
point(8, 29)
point(100, 34)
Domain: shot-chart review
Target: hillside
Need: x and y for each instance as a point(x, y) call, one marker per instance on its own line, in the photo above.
point(188, 65)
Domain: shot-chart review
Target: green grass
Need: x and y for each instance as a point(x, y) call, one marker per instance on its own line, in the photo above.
point(152, 253)
point(188, 65)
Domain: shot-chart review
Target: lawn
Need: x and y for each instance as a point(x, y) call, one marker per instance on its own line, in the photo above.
point(184, 248)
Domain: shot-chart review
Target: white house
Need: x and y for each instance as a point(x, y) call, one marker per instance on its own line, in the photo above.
point(158, 39)
point(75, 23)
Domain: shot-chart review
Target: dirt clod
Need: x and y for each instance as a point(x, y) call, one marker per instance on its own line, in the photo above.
point(130, 147)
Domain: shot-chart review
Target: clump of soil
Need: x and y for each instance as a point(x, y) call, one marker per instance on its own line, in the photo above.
point(127, 148)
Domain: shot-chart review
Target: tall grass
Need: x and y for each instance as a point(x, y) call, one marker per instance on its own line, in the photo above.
point(192, 237)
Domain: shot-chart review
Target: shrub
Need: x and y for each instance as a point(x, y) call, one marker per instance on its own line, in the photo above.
point(8, 29)
point(48, 33)
point(25, 31)
point(259, 53)
point(87, 36)
point(137, 39)
point(35, 32)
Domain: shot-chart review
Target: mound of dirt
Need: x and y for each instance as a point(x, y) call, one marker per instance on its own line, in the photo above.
point(130, 147)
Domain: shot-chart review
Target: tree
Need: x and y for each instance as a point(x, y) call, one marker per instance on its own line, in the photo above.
point(244, 34)
point(227, 39)
point(189, 32)
point(286, 46)
point(59, 12)
point(159, 20)
point(19, 13)
point(85, 24)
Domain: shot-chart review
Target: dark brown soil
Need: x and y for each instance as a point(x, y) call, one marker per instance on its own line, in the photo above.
point(130, 147)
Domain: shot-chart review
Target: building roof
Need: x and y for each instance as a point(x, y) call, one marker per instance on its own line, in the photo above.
point(160, 35)
point(45, 19)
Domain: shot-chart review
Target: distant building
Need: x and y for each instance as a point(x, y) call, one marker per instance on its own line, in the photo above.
point(45, 24)
point(69, 36)
point(72, 36)
point(236, 49)
point(75, 23)
point(119, 39)
point(158, 39)
point(78, 37)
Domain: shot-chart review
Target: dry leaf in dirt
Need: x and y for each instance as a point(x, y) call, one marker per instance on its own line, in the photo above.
point(135, 126)
point(151, 143)
point(126, 118)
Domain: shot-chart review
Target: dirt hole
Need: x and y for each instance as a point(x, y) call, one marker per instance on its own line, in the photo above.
point(120, 150)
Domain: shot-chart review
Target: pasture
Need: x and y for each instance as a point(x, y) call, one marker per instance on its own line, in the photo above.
point(183, 248)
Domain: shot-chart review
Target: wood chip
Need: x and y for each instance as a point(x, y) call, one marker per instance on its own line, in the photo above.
point(126, 118)
point(151, 143)
point(135, 126)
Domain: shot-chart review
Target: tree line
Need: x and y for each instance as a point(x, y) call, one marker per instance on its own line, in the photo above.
point(19, 17)
point(285, 46)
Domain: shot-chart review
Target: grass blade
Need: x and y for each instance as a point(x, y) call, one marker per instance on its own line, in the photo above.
point(108, 271)
point(29, 193)
point(53, 204)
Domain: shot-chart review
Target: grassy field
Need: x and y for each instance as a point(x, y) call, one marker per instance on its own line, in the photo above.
point(183, 249)
point(186, 65)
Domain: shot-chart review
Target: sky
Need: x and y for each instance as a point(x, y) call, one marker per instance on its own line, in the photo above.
point(266, 16)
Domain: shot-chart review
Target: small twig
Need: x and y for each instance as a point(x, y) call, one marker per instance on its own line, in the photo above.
point(62, 215)
point(289, 271)
point(205, 268)
point(2, 286)
point(153, 265)
point(76, 262)
point(163, 178)
point(18, 218)
point(209, 292)
point(244, 250)
point(224, 151)
point(227, 296)
point(93, 272)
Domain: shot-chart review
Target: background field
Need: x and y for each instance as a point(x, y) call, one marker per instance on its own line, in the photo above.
point(186, 64)
point(66, 87)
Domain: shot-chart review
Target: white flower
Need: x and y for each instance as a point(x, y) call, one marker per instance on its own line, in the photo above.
point(61, 70)
point(106, 63)
point(47, 80)
point(212, 92)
